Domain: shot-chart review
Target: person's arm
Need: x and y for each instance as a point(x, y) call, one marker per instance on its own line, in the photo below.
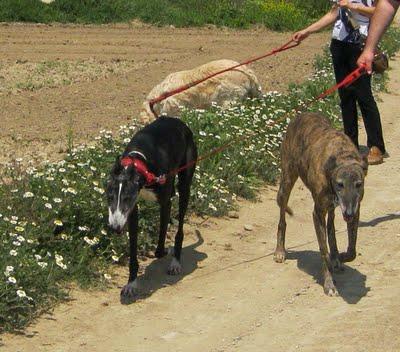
point(323, 22)
point(367, 11)
point(383, 16)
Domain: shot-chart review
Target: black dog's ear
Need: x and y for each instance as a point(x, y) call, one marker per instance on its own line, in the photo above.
point(117, 168)
point(133, 174)
point(364, 164)
point(330, 165)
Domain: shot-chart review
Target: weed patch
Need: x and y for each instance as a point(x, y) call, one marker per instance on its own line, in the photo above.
point(274, 14)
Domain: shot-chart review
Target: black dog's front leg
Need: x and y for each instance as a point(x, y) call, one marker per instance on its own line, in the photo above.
point(129, 291)
point(352, 229)
point(165, 215)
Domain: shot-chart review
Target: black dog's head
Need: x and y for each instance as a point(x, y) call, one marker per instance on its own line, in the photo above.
point(347, 182)
point(122, 191)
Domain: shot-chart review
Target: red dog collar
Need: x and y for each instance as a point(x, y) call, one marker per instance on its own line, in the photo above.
point(142, 169)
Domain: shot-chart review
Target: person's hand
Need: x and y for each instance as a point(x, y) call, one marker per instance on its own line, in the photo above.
point(345, 3)
point(300, 35)
point(366, 59)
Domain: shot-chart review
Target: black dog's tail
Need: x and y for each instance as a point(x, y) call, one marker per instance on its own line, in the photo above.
point(200, 239)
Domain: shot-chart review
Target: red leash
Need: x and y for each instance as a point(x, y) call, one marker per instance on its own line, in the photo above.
point(351, 78)
point(152, 179)
point(181, 89)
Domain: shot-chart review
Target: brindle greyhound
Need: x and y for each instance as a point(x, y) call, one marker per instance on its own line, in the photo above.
point(162, 146)
point(333, 170)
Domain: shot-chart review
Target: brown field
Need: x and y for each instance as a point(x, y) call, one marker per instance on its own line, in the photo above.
point(57, 78)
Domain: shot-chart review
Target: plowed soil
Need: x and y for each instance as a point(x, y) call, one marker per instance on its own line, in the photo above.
point(71, 80)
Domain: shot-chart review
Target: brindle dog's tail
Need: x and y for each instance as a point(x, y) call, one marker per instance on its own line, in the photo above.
point(279, 200)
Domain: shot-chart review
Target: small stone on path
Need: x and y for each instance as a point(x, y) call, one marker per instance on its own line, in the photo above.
point(249, 227)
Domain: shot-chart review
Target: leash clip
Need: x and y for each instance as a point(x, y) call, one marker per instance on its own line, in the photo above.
point(161, 180)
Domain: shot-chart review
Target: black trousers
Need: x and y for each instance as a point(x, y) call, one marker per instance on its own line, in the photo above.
point(344, 57)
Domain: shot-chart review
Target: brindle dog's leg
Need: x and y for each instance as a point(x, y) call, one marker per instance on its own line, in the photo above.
point(130, 289)
point(352, 228)
point(320, 228)
point(336, 263)
point(287, 182)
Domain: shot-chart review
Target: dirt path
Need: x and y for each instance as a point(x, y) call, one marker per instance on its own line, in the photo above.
point(34, 124)
point(233, 297)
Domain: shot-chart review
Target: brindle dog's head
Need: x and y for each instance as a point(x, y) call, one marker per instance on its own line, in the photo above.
point(122, 191)
point(347, 181)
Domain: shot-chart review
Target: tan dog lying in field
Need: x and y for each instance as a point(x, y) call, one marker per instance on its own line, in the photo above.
point(221, 89)
point(333, 170)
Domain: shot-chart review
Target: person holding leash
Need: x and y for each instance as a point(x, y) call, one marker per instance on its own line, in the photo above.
point(351, 21)
point(383, 16)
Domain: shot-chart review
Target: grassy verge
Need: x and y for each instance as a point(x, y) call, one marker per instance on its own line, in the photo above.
point(274, 14)
point(53, 219)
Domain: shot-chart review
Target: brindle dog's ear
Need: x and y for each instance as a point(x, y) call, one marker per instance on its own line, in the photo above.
point(364, 164)
point(330, 165)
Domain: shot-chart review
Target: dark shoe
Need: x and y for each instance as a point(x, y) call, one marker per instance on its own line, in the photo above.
point(375, 156)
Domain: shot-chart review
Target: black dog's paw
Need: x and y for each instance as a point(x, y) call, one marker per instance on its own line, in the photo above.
point(175, 268)
point(160, 252)
point(129, 293)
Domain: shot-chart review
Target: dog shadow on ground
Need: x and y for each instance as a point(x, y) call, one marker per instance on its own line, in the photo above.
point(378, 220)
point(350, 283)
point(156, 277)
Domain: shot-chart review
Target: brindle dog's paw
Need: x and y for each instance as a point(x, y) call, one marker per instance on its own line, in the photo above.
point(175, 268)
point(129, 293)
point(279, 256)
point(329, 288)
point(347, 257)
point(337, 265)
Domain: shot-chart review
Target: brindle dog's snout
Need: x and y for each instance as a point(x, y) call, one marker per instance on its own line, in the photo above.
point(348, 214)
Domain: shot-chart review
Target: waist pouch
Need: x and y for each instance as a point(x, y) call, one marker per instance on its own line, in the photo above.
point(381, 60)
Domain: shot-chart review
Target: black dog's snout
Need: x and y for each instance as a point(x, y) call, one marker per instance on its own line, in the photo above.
point(116, 228)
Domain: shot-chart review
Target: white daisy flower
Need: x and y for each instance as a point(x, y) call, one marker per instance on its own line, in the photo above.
point(21, 293)
point(12, 280)
point(13, 252)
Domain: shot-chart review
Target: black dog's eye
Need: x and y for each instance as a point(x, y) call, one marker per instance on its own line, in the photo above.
point(340, 185)
point(126, 198)
point(358, 184)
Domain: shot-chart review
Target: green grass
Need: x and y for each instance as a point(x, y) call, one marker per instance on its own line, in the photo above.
point(53, 219)
point(274, 14)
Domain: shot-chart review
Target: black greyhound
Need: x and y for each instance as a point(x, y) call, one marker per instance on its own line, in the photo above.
point(159, 148)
